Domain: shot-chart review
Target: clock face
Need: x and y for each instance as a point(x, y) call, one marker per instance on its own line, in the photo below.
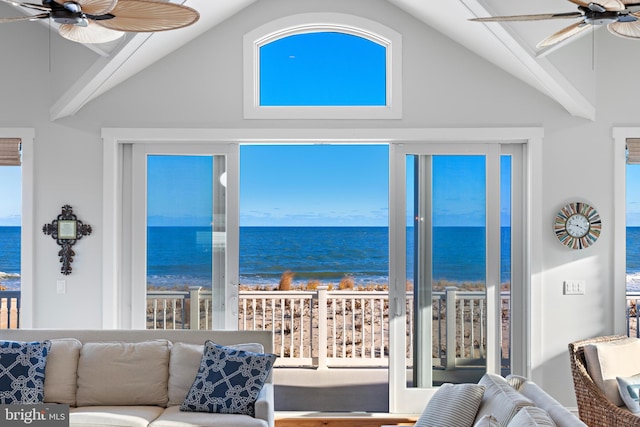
point(577, 225)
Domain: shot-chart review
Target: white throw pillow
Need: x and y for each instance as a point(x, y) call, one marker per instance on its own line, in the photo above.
point(629, 388)
point(452, 405)
point(531, 416)
point(487, 421)
point(608, 360)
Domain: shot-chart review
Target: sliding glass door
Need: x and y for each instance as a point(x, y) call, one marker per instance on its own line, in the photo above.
point(452, 265)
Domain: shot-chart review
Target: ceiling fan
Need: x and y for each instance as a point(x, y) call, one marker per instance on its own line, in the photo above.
point(622, 18)
point(101, 21)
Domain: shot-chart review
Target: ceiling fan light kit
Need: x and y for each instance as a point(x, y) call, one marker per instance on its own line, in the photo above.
point(620, 16)
point(100, 21)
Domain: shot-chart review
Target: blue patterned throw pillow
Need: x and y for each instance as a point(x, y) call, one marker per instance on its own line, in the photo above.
point(228, 380)
point(22, 367)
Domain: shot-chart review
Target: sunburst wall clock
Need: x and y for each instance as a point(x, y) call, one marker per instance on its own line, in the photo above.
point(577, 225)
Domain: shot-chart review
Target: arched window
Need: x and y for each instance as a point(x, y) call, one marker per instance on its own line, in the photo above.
point(303, 67)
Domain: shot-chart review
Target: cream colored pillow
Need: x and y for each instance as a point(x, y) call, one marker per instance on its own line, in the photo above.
point(500, 399)
point(184, 364)
point(60, 374)
point(119, 373)
point(608, 360)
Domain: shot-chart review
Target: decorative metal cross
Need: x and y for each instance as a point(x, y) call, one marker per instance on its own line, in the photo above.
point(66, 229)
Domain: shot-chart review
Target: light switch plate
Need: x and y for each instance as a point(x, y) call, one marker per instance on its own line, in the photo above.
point(61, 286)
point(575, 287)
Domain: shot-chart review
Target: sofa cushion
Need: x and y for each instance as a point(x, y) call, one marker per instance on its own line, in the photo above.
point(228, 380)
point(60, 380)
point(173, 417)
point(487, 421)
point(116, 416)
point(22, 371)
point(452, 405)
point(500, 399)
point(105, 370)
point(184, 364)
point(531, 416)
point(629, 388)
point(608, 360)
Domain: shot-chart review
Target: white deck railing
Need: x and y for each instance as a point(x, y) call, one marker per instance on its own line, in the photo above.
point(354, 330)
point(9, 309)
point(351, 326)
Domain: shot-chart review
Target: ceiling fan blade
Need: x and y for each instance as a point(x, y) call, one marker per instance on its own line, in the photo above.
point(149, 15)
point(625, 29)
point(538, 17)
point(25, 18)
point(612, 5)
point(28, 5)
point(580, 2)
point(92, 33)
point(97, 7)
point(564, 34)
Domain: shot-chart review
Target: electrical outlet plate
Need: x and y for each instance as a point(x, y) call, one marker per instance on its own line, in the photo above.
point(574, 287)
point(61, 286)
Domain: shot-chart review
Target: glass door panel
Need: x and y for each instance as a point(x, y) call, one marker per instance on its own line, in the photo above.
point(452, 227)
point(181, 240)
point(446, 268)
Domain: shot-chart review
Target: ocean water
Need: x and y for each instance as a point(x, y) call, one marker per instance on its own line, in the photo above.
point(10, 257)
point(180, 256)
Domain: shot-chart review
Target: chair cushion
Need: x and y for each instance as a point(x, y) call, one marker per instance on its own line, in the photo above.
point(116, 416)
point(22, 371)
point(184, 364)
point(629, 388)
point(500, 399)
point(452, 405)
point(60, 381)
point(173, 417)
point(531, 416)
point(105, 370)
point(228, 380)
point(608, 360)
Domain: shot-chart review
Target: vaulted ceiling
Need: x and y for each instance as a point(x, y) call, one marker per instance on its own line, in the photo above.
point(510, 46)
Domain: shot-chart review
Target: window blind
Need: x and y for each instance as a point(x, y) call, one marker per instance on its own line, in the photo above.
point(633, 151)
point(10, 151)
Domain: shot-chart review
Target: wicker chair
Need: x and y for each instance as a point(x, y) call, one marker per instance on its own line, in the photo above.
point(594, 408)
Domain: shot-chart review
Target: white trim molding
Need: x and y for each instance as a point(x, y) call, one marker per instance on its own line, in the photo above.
point(27, 136)
point(620, 135)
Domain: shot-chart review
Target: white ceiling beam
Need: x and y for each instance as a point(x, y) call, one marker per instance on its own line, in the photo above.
point(492, 42)
point(138, 52)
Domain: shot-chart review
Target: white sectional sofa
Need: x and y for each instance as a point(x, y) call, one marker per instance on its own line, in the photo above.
point(139, 378)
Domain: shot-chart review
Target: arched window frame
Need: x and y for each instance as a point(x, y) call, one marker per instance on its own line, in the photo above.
point(322, 22)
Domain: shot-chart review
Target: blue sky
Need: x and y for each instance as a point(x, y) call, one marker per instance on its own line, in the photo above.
point(315, 185)
point(10, 195)
point(307, 185)
point(322, 69)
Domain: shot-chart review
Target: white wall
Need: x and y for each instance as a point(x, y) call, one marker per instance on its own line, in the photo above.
point(445, 85)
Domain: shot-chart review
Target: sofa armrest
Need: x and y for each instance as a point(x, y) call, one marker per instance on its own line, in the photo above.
point(264, 406)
